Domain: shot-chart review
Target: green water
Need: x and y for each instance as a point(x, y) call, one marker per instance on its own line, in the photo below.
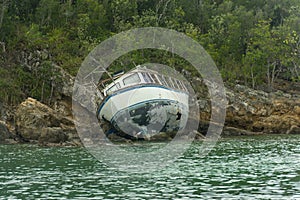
point(261, 167)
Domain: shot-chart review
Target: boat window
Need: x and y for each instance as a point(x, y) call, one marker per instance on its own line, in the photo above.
point(132, 79)
point(154, 78)
point(113, 88)
point(146, 77)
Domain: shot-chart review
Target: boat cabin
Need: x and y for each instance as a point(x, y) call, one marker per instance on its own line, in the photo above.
point(142, 77)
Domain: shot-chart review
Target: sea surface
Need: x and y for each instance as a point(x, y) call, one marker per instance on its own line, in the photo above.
point(256, 167)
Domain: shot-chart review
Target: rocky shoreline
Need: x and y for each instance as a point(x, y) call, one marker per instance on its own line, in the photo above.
point(248, 112)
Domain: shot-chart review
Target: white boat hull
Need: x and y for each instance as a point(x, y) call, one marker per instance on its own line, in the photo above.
point(145, 109)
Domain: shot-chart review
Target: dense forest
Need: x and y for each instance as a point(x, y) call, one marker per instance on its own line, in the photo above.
point(253, 42)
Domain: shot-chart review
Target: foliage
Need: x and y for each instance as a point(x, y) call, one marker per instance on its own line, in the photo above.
point(252, 41)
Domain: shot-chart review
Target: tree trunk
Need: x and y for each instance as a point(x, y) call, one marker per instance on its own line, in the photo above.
point(269, 76)
point(273, 75)
point(164, 8)
point(51, 92)
point(3, 47)
point(252, 77)
point(296, 67)
point(42, 93)
point(4, 4)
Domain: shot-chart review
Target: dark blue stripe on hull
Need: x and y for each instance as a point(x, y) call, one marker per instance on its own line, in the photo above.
point(133, 88)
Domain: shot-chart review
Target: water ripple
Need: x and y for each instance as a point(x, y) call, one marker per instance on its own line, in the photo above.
point(264, 167)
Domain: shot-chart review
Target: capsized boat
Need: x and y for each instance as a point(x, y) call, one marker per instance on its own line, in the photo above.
point(143, 102)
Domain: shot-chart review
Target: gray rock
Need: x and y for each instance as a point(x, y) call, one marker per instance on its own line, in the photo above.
point(258, 111)
point(52, 135)
point(84, 94)
point(199, 136)
point(4, 133)
point(232, 131)
point(65, 85)
point(118, 139)
point(38, 122)
point(162, 137)
point(294, 130)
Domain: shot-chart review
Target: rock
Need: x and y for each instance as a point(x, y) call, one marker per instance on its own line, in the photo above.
point(199, 136)
point(65, 84)
point(5, 135)
point(63, 106)
point(297, 110)
point(257, 111)
point(11, 141)
point(254, 111)
point(52, 135)
point(38, 122)
point(32, 116)
point(294, 130)
point(117, 138)
point(162, 137)
point(231, 131)
point(83, 93)
point(284, 115)
point(203, 126)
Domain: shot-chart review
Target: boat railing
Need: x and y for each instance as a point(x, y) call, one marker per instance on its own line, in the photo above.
point(141, 77)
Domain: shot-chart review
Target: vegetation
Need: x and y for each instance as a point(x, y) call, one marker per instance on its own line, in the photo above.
point(252, 41)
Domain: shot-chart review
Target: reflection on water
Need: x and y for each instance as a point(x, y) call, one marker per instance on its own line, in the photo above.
point(261, 167)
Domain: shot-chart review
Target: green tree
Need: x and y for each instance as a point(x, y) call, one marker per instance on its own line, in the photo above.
point(266, 50)
point(48, 14)
point(123, 12)
point(292, 55)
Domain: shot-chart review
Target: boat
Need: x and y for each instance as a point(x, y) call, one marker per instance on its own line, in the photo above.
point(144, 102)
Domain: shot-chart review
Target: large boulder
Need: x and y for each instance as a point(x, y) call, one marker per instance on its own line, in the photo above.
point(52, 135)
point(38, 122)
